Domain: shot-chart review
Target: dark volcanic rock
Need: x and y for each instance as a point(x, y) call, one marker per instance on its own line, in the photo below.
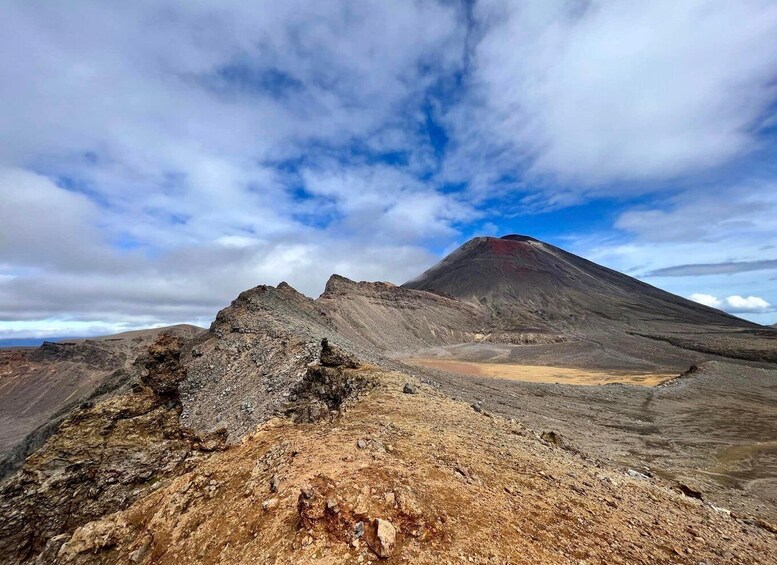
point(163, 366)
point(41, 386)
point(333, 356)
point(325, 387)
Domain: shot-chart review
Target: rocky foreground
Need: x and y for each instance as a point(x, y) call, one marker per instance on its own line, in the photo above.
point(366, 465)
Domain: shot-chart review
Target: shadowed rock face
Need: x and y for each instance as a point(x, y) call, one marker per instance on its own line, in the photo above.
point(38, 387)
point(326, 386)
point(102, 458)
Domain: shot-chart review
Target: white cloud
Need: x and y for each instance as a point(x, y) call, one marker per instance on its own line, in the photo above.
point(707, 300)
point(181, 110)
point(166, 123)
point(707, 215)
point(612, 90)
point(382, 203)
point(750, 304)
point(42, 224)
point(735, 304)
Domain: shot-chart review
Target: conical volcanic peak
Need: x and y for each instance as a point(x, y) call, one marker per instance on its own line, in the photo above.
point(527, 281)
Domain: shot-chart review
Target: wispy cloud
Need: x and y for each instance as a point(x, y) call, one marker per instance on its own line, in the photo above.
point(703, 269)
point(596, 92)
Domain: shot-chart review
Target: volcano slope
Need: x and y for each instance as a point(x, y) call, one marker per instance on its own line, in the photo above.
point(255, 442)
point(529, 285)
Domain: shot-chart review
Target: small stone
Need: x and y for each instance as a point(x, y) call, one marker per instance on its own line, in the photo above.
point(384, 538)
point(331, 505)
point(553, 438)
point(358, 530)
point(477, 408)
point(690, 491)
point(137, 555)
point(409, 389)
point(361, 443)
point(637, 475)
point(274, 483)
point(269, 504)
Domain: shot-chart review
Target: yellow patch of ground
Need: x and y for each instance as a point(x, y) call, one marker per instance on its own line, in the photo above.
point(542, 374)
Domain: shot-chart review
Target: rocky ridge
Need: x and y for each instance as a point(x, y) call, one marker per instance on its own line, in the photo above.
point(39, 387)
point(345, 448)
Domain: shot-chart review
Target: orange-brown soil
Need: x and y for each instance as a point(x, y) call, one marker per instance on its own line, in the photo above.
point(458, 486)
point(543, 374)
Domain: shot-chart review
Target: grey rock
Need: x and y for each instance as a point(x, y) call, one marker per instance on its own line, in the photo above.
point(637, 475)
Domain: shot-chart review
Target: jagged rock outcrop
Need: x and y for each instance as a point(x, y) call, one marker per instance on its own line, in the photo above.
point(164, 370)
point(333, 356)
point(39, 387)
point(326, 385)
point(103, 457)
point(257, 349)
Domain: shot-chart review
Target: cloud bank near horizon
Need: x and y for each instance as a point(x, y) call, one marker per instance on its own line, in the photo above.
point(734, 304)
point(155, 160)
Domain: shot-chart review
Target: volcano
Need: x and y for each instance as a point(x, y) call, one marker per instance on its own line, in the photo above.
point(529, 284)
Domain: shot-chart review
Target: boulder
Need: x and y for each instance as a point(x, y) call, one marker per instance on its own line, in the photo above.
point(333, 356)
point(381, 537)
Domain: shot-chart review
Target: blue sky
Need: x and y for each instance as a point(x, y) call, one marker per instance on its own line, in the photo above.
point(156, 158)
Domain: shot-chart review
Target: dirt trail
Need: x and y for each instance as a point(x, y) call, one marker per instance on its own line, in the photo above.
point(454, 484)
